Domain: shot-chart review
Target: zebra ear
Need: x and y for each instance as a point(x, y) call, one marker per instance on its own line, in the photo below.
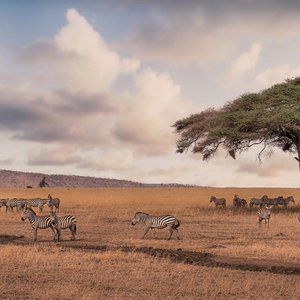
point(25, 206)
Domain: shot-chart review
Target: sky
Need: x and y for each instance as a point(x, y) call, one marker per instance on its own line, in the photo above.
point(92, 88)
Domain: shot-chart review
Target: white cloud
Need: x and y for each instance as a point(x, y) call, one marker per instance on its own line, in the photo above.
point(275, 74)
point(244, 63)
point(148, 113)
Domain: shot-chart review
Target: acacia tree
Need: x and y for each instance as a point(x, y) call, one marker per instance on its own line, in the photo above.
point(270, 118)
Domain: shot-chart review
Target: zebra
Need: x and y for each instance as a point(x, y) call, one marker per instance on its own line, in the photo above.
point(3, 203)
point(11, 203)
point(37, 222)
point(36, 202)
point(272, 201)
point(239, 202)
point(259, 202)
point(64, 222)
point(284, 201)
point(53, 202)
point(218, 202)
point(264, 215)
point(159, 222)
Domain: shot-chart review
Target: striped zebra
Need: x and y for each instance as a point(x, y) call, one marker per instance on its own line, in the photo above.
point(36, 202)
point(239, 202)
point(257, 201)
point(64, 222)
point(53, 202)
point(3, 203)
point(264, 215)
point(157, 222)
point(284, 201)
point(272, 201)
point(11, 204)
point(218, 201)
point(37, 222)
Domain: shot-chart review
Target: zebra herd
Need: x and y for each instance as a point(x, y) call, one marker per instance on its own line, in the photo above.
point(19, 203)
point(265, 205)
point(52, 221)
point(261, 202)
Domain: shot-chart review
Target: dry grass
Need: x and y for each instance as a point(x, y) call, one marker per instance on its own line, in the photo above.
point(104, 219)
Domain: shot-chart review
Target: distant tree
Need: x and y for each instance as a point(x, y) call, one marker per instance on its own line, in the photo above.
point(43, 183)
point(270, 118)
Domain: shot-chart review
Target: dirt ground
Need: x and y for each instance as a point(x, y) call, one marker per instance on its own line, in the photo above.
point(216, 242)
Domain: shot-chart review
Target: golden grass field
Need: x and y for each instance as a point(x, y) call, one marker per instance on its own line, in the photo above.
point(48, 270)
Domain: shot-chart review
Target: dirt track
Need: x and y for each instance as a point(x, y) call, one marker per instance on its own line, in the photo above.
point(184, 256)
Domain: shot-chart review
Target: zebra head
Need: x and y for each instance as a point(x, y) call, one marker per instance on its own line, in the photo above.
point(28, 213)
point(212, 198)
point(138, 217)
point(49, 200)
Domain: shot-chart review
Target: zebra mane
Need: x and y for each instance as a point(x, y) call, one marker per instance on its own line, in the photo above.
point(30, 209)
point(139, 212)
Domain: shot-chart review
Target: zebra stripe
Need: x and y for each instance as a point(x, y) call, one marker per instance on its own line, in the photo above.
point(37, 222)
point(264, 215)
point(157, 222)
point(64, 222)
point(218, 201)
point(36, 202)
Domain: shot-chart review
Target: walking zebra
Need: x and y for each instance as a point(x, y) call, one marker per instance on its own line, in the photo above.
point(64, 222)
point(218, 202)
point(37, 222)
point(159, 222)
point(239, 202)
point(53, 202)
point(264, 215)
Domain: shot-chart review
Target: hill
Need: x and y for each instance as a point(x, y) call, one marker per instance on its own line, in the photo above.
point(26, 179)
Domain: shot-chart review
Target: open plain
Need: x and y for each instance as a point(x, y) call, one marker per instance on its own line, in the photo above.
point(222, 253)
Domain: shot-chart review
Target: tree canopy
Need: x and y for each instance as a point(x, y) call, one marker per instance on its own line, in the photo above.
point(270, 118)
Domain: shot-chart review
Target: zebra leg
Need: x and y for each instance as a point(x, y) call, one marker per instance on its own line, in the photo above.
point(55, 238)
point(73, 231)
point(147, 229)
point(34, 234)
point(177, 235)
point(171, 232)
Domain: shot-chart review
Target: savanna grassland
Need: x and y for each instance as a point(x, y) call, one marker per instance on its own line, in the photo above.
point(95, 266)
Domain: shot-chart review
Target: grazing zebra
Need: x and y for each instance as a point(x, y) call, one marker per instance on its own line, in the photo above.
point(284, 201)
point(218, 202)
point(64, 222)
point(264, 215)
point(159, 222)
point(239, 202)
point(53, 202)
point(259, 202)
point(37, 222)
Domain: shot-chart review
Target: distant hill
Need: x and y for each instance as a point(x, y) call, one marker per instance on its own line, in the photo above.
point(25, 179)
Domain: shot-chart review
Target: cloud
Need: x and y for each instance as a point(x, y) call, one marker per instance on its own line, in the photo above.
point(244, 63)
point(200, 31)
point(275, 74)
point(149, 112)
point(60, 156)
point(81, 61)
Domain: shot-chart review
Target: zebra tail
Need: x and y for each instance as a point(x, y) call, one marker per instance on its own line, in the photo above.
point(176, 224)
